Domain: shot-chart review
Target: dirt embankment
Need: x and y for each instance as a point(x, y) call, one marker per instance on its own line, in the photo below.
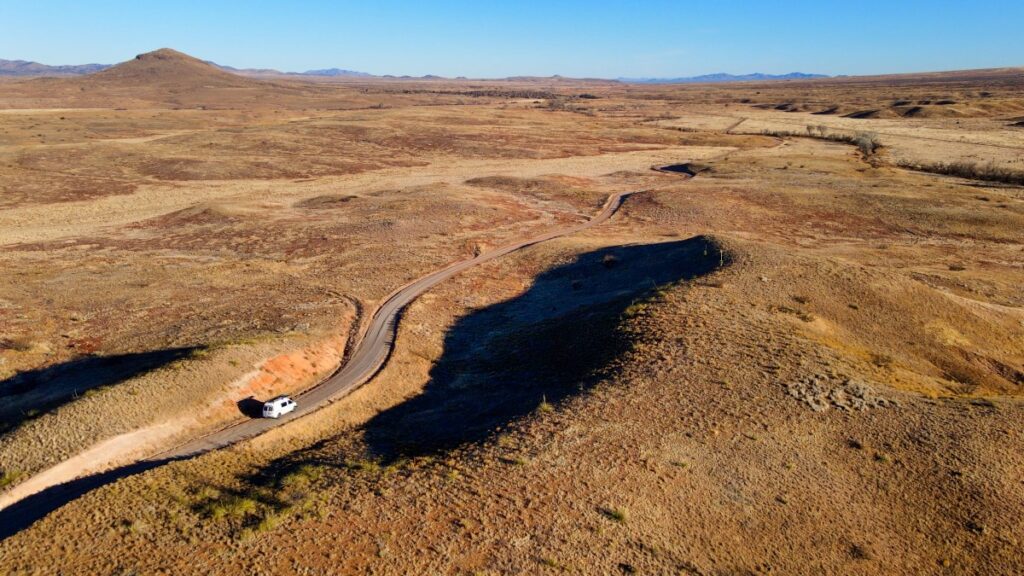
point(101, 441)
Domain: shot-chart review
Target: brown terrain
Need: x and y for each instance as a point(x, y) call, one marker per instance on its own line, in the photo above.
point(800, 350)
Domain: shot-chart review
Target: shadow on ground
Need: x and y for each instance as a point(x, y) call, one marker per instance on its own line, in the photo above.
point(503, 361)
point(34, 392)
point(499, 363)
point(250, 407)
point(26, 512)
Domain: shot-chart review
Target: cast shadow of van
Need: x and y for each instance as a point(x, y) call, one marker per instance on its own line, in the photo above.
point(250, 407)
point(501, 362)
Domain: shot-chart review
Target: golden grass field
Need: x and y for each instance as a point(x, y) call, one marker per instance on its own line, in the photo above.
point(807, 359)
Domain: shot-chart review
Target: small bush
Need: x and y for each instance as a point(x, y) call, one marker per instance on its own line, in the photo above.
point(867, 143)
point(614, 514)
point(8, 477)
point(544, 405)
point(268, 523)
point(20, 344)
point(368, 466)
point(557, 104)
point(301, 476)
point(232, 506)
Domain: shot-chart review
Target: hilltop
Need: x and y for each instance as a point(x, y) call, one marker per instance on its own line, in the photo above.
point(166, 67)
point(166, 78)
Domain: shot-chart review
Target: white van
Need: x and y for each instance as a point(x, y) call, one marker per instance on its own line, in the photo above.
point(278, 407)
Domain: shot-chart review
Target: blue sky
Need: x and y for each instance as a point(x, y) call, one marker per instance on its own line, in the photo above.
point(596, 38)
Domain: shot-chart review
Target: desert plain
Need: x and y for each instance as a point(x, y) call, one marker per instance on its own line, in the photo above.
point(797, 350)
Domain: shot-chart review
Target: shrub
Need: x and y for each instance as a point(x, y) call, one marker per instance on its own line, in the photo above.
point(301, 477)
point(867, 142)
point(615, 514)
point(268, 523)
point(8, 477)
point(544, 405)
point(232, 506)
point(21, 344)
point(364, 465)
point(557, 104)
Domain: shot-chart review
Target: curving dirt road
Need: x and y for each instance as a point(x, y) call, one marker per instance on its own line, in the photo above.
point(371, 352)
point(368, 357)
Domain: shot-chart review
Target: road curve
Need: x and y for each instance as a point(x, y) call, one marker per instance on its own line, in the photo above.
point(372, 351)
point(369, 355)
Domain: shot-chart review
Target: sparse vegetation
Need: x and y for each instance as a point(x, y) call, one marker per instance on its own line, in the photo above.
point(989, 172)
point(264, 501)
point(18, 344)
point(614, 514)
point(367, 466)
point(635, 309)
point(8, 477)
point(881, 360)
point(230, 506)
point(867, 142)
point(525, 395)
point(545, 406)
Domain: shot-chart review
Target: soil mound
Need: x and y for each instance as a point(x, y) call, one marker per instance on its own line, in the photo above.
point(863, 114)
point(326, 201)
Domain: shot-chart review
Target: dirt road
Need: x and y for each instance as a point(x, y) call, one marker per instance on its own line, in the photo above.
point(373, 349)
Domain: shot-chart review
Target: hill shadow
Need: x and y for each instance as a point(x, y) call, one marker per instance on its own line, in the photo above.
point(553, 341)
point(31, 393)
point(27, 511)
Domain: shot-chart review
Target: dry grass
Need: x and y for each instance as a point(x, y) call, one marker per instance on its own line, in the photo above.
point(831, 393)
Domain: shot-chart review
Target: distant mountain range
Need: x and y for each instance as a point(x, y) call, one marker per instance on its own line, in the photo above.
point(326, 72)
point(26, 68)
point(722, 77)
point(333, 72)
